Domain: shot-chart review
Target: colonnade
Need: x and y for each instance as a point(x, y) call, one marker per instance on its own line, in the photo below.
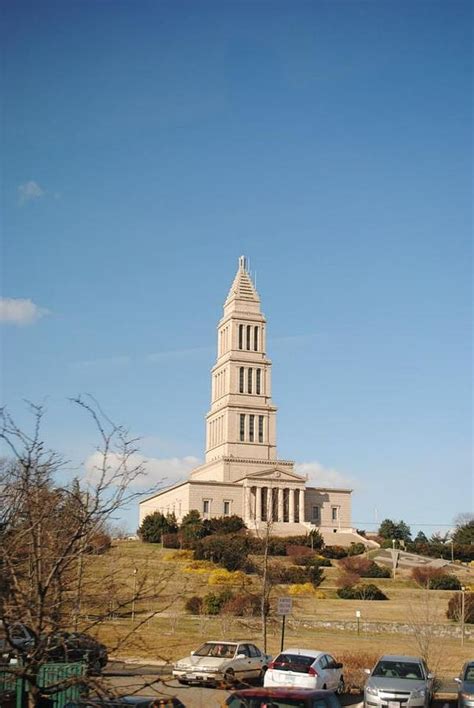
point(280, 504)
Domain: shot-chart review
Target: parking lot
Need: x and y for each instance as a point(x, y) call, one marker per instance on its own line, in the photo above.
point(147, 680)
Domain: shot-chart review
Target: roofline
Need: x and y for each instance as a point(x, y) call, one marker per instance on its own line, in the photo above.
point(331, 489)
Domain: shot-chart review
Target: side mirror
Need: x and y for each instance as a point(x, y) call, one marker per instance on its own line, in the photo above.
point(192, 653)
point(367, 671)
point(430, 676)
point(457, 679)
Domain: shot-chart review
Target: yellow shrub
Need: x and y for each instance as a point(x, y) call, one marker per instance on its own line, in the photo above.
point(302, 589)
point(226, 577)
point(178, 555)
point(199, 567)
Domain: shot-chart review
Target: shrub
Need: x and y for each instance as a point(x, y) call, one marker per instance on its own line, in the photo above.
point(292, 574)
point(455, 607)
point(444, 582)
point(224, 525)
point(356, 549)
point(99, 543)
point(362, 591)
point(156, 524)
point(193, 605)
point(294, 551)
point(303, 589)
point(316, 575)
point(354, 665)
point(170, 540)
point(243, 605)
point(423, 575)
point(334, 552)
point(213, 602)
point(221, 576)
point(364, 567)
point(347, 579)
point(229, 551)
point(312, 559)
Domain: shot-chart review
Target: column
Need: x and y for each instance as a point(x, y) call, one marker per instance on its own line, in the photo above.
point(291, 506)
point(258, 504)
point(280, 504)
point(301, 505)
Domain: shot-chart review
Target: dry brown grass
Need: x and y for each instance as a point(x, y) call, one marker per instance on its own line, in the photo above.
point(173, 634)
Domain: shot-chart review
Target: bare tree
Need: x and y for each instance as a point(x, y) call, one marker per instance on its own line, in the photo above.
point(48, 532)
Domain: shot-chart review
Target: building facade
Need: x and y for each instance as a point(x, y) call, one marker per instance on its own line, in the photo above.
point(241, 473)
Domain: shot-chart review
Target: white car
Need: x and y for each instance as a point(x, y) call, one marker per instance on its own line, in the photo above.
point(222, 662)
point(305, 668)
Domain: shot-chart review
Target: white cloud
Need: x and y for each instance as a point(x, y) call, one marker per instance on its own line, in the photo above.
point(322, 476)
point(20, 311)
point(29, 192)
point(157, 471)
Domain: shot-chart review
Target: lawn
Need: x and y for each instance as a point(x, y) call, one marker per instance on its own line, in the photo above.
point(172, 633)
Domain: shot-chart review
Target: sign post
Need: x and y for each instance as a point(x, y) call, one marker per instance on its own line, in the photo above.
point(358, 621)
point(284, 608)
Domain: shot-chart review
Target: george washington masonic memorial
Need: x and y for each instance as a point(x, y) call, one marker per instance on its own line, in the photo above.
point(242, 474)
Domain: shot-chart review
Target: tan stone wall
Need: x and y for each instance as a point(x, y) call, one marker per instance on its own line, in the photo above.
point(175, 500)
point(216, 494)
point(327, 499)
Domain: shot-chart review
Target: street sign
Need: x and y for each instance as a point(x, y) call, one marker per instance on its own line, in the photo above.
point(284, 606)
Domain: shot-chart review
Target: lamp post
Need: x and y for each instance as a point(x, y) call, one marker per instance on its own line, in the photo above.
point(463, 590)
point(358, 621)
point(452, 550)
point(135, 571)
point(394, 559)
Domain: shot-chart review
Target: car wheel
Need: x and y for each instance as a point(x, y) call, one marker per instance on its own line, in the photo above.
point(182, 682)
point(341, 687)
point(324, 687)
point(229, 677)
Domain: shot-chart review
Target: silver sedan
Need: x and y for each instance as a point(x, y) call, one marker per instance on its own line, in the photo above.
point(397, 681)
point(466, 685)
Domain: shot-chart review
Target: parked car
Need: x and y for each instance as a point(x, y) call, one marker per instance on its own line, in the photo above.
point(282, 698)
point(135, 701)
point(305, 668)
point(398, 679)
point(77, 646)
point(222, 662)
point(466, 685)
point(60, 646)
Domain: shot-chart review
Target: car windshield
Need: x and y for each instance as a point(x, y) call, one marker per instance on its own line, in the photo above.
point(399, 669)
point(469, 673)
point(266, 702)
point(221, 650)
point(293, 662)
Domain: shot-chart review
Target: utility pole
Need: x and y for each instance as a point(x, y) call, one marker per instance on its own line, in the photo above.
point(463, 590)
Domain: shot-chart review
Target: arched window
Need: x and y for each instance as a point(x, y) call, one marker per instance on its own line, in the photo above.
point(249, 329)
point(241, 379)
point(255, 339)
point(241, 336)
point(249, 380)
point(258, 381)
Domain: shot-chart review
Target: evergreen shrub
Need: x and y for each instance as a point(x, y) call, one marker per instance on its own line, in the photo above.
point(362, 591)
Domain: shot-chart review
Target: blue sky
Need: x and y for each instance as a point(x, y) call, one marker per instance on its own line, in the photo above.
point(146, 145)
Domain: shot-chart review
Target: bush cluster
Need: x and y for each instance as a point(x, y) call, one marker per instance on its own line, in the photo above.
point(170, 540)
point(362, 591)
point(335, 552)
point(461, 551)
point(364, 567)
point(224, 602)
point(455, 607)
point(312, 559)
point(356, 549)
point(435, 579)
point(229, 551)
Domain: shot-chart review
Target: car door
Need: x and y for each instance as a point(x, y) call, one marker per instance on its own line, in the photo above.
point(333, 673)
point(244, 666)
point(257, 660)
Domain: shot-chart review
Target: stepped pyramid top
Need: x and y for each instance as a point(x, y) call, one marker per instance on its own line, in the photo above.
point(242, 288)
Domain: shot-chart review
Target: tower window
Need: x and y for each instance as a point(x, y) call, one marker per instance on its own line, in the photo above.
point(255, 339)
point(241, 336)
point(249, 329)
point(241, 379)
point(226, 508)
point(334, 513)
point(249, 380)
point(258, 381)
point(251, 427)
point(206, 506)
point(260, 428)
point(242, 427)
